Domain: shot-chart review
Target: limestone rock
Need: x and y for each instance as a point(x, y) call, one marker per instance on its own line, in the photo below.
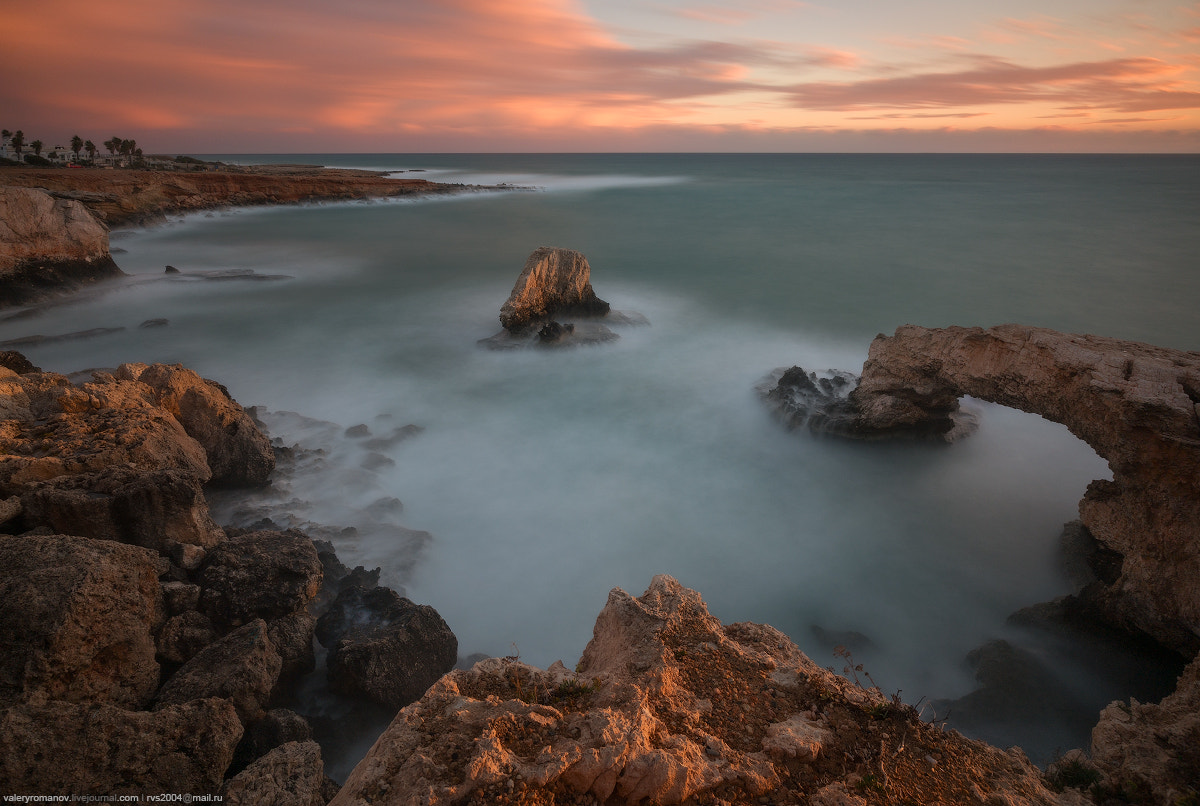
point(242, 667)
point(292, 774)
point(150, 508)
point(1135, 404)
point(292, 636)
point(48, 245)
point(259, 575)
point(81, 749)
point(184, 635)
point(384, 646)
point(76, 620)
point(669, 706)
point(238, 453)
point(1153, 749)
point(554, 282)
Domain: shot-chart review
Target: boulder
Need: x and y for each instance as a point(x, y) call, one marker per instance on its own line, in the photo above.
point(669, 706)
point(278, 726)
point(292, 636)
point(93, 749)
point(184, 635)
point(242, 667)
point(554, 282)
point(1151, 751)
point(292, 774)
point(1136, 405)
point(150, 508)
point(385, 647)
point(259, 575)
point(238, 453)
point(77, 618)
point(48, 246)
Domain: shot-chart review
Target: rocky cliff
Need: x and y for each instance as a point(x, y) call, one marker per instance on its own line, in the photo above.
point(1136, 405)
point(48, 244)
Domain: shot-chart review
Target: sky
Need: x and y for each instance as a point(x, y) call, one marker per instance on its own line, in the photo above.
point(407, 76)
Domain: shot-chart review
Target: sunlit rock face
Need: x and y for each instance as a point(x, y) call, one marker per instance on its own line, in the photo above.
point(668, 706)
point(48, 245)
point(1136, 405)
point(554, 282)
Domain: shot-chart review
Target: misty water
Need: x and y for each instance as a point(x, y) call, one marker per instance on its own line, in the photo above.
point(547, 477)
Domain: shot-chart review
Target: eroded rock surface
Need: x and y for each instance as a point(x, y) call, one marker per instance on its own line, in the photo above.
point(553, 282)
point(48, 245)
point(1136, 405)
point(669, 706)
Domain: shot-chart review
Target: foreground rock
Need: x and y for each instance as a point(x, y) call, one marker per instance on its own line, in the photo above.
point(1136, 405)
point(668, 706)
point(48, 245)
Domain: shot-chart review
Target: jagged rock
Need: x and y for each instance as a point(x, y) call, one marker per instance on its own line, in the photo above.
point(238, 453)
point(90, 749)
point(1153, 750)
point(18, 363)
point(48, 246)
point(185, 635)
point(1136, 405)
point(668, 706)
point(810, 400)
point(278, 726)
point(180, 596)
point(242, 667)
point(553, 282)
point(259, 575)
point(292, 774)
point(292, 636)
point(76, 620)
point(384, 646)
point(150, 508)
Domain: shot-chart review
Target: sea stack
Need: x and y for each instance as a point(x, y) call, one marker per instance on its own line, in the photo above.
point(555, 282)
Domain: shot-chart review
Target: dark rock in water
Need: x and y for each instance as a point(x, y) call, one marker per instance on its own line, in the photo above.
point(259, 575)
point(375, 461)
point(553, 332)
point(242, 667)
point(171, 270)
point(155, 323)
point(18, 363)
point(850, 639)
point(583, 333)
point(553, 282)
point(32, 341)
point(385, 647)
point(356, 431)
point(810, 400)
point(93, 748)
point(398, 435)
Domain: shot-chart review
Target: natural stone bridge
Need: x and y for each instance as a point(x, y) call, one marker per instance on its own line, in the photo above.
point(1136, 405)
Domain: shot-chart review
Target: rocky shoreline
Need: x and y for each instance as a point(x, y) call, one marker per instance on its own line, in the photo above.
point(54, 223)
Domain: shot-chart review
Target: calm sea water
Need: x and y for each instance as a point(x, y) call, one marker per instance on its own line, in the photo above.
point(548, 477)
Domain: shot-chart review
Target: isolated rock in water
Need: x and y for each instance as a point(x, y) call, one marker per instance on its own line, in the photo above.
point(91, 749)
point(48, 246)
point(292, 774)
point(384, 647)
point(668, 706)
point(259, 575)
point(554, 282)
point(817, 401)
point(76, 620)
point(1153, 749)
point(242, 667)
point(238, 453)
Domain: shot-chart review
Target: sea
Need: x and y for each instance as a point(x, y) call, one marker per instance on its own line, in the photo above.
point(537, 480)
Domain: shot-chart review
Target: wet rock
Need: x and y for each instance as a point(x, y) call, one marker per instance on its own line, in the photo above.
point(238, 453)
point(95, 749)
point(292, 774)
point(242, 667)
point(358, 431)
point(77, 618)
point(385, 647)
point(259, 575)
point(171, 270)
point(553, 282)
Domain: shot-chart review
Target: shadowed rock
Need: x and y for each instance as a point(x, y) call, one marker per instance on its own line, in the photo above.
point(259, 575)
point(292, 774)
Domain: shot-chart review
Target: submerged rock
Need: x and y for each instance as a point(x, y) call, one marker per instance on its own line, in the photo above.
point(668, 706)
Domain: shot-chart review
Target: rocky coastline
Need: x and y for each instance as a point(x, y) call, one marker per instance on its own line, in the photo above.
point(54, 222)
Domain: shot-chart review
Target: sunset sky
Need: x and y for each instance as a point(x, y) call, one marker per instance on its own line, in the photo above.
point(218, 76)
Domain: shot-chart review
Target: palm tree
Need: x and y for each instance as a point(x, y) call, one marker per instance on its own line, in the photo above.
point(91, 149)
point(112, 144)
point(18, 140)
point(36, 145)
point(77, 146)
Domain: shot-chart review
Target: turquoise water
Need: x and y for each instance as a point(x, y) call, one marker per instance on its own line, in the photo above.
point(546, 478)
